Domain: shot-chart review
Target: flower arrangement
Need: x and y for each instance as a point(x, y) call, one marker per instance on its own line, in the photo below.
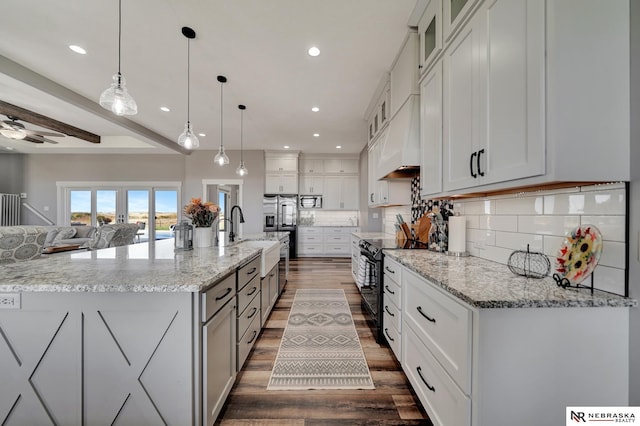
point(201, 214)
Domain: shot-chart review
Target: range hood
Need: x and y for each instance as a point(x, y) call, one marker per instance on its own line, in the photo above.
point(400, 150)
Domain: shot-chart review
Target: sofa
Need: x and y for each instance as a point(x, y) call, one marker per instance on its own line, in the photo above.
point(113, 235)
point(20, 243)
point(69, 235)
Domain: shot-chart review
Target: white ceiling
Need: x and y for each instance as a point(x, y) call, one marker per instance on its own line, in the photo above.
point(259, 45)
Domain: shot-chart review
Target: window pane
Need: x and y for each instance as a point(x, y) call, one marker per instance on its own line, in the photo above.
point(105, 206)
point(138, 206)
point(80, 207)
point(166, 212)
point(222, 198)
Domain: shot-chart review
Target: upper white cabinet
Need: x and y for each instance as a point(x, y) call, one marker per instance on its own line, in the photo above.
point(341, 165)
point(341, 193)
point(281, 183)
point(430, 32)
point(311, 165)
point(281, 172)
point(281, 164)
point(431, 132)
point(379, 112)
point(311, 185)
point(404, 73)
point(454, 13)
point(493, 96)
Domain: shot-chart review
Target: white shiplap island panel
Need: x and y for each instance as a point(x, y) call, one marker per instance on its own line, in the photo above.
point(482, 346)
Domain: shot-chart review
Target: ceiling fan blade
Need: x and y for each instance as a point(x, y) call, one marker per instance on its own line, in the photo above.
point(39, 133)
point(39, 139)
point(7, 125)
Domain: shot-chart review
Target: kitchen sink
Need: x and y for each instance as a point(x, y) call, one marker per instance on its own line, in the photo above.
point(270, 253)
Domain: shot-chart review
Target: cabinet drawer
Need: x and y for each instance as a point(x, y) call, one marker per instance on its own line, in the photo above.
point(245, 318)
point(310, 231)
point(246, 295)
point(393, 314)
point(247, 272)
point(310, 249)
point(392, 292)
point(337, 238)
point(443, 325)
point(245, 343)
point(337, 249)
point(392, 269)
point(445, 403)
point(215, 297)
point(392, 335)
point(310, 238)
point(339, 231)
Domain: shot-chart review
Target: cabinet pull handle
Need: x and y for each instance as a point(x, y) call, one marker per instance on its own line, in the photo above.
point(252, 271)
point(255, 333)
point(480, 172)
point(386, 268)
point(389, 290)
point(371, 197)
point(253, 312)
point(226, 293)
point(253, 290)
point(386, 308)
point(433, 320)
point(431, 388)
point(473, 174)
point(386, 331)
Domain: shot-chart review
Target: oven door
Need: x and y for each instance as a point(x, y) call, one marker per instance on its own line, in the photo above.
point(370, 289)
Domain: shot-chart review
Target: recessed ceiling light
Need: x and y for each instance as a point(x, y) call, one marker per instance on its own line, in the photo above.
point(313, 51)
point(286, 147)
point(202, 134)
point(339, 146)
point(315, 109)
point(77, 49)
point(165, 108)
point(316, 135)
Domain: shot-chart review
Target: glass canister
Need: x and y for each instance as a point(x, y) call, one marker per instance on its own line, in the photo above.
point(184, 236)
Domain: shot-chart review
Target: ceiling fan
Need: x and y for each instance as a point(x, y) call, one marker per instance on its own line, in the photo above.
point(12, 129)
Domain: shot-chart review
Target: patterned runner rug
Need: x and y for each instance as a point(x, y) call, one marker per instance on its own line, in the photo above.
point(320, 348)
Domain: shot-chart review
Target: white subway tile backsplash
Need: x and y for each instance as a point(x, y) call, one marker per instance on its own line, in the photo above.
point(499, 223)
point(552, 246)
point(607, 279)
point(612, 228)
point(519, 206)
point(496, 254)
point(547, 225)
point(481, 237)
point(598, 202)
point(479, 207)
point(473, 221)
point(613, 254)
point(518, 241)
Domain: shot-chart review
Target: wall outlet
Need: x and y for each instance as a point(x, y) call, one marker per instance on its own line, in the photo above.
point(23, 195)
point(10, 301)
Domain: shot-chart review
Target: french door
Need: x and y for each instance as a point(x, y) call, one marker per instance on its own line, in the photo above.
point(153, 206)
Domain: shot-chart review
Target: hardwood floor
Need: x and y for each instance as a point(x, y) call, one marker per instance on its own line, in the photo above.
point(391, 403)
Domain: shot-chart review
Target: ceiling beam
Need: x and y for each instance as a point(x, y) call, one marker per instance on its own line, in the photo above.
point(22, 114)
point(40, 82)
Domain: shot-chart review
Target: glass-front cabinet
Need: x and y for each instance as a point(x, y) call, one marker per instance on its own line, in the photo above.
point(430, 31)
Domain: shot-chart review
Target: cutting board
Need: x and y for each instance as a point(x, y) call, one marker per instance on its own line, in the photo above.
point(423, 229)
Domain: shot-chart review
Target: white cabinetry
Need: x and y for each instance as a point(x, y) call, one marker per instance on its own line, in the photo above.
point(454, 13)
point(355, 256)
point(404, 73)
point(311, 185)
point(430, 31)
point(493, 96)
point(311, 165)
point(268, 293)
point(281, 183)
point(325, 241)
point(341, 165)
point(431, 132)
point(341, 193)
point(392, 305)
point(281, 172)
point(379, 111)
point(281, 164)
point(384, 192)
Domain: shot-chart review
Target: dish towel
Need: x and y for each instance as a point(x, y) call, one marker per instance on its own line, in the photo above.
point(366, 274)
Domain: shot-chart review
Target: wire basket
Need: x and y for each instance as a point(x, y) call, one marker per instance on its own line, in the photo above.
point(529, 264)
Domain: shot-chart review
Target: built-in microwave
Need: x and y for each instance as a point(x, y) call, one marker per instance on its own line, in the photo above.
point(311, 201)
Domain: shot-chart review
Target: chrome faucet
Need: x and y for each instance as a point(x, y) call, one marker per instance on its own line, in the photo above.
point(232, 234)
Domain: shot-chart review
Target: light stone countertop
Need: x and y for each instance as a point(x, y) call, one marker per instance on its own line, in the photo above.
point(371, 235)
point(485, 284)
point(144, 267)
point(265, 236)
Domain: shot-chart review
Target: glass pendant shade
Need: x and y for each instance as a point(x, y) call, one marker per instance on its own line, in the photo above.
point(221, 158)
point(117, 98)
point(13, 134)
point(188, 139)
point(242, 170)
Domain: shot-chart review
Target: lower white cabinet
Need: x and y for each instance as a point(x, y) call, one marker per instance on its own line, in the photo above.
point(355, 256)
point(268, 293)
point(325, 241)
point(392, 305)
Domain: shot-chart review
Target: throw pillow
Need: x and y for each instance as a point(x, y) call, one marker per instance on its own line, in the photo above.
point(51, 235)
point(65, 234)
point(84, 231)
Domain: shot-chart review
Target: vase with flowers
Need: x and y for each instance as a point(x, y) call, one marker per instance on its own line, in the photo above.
point(203, 216)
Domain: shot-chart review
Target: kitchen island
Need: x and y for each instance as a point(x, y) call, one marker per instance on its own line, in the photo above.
point(482, 346)
point(138, 334)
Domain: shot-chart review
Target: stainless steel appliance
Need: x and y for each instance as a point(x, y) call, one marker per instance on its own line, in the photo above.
point(283, 269)
point(280, 213)
point(372, 293)
point(311, 201)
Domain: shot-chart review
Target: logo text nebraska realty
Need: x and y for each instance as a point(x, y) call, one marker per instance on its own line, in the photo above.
point(601, 414)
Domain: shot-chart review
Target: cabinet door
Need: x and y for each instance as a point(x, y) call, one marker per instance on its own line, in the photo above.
point(454, 13)
point(430, 32)
point(272, 184)
point(431, 132)
point(350, 195)
point(311, 165)
point(289, 184)
point(404, 74)
point(464, 110)
point(332, 192)
point(372, 198)
point(281, 164)
point(515, 141)
point(273, 286)
point(218, 360)
point(311, 185)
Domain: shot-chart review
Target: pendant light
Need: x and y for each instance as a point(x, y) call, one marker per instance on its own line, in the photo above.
point(241, 170)
point(116, 98)
point(221, 158)
point(188, 139)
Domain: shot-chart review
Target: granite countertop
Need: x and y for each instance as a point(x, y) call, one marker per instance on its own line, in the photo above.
point(144, 267)
point(485, 284)
point(265, 236)
point(371, 235)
